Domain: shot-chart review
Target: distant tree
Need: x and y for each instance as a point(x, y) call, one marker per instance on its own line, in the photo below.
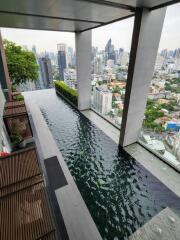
point(153, 112)
point(111, 114)
point(22, 64)
point(116, 90)
point(100, 83)
point(168, 87)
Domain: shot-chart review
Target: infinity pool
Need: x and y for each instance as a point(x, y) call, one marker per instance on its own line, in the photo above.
point(120, 194)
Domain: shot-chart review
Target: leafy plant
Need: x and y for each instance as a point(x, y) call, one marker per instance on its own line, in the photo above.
point(20, 97)
point(65, 90)
point(13, 88)
point(22, 64)
point(16, 138)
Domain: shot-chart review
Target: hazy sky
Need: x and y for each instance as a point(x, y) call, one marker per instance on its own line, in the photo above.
point(120, 32)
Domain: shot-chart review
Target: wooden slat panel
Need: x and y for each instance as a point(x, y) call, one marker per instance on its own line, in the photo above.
point(20, 185)
point(14, 104)
point(14, 111)
point(50, 236)
point(25, 215)
point(18, 167)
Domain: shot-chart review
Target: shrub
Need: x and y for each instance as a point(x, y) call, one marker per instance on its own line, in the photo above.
point(13, 88)
point(20, 97)
point(66, 91)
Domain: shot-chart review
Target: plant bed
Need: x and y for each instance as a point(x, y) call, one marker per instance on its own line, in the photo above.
point(67, 92)
point(17, 124)
point(17, 96)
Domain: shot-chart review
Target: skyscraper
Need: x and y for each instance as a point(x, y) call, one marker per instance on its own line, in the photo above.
point(98, 65)
point(109, 50)
point(61, 59)
point(177, 53)
point(70, 54)
point(46, 71)
point(39, 83)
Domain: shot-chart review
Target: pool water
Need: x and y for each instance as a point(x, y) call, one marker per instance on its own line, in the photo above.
point(120, 194)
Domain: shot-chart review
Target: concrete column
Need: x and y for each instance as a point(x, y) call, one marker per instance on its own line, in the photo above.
point(4, 74)
point(144, 47)
point(83, 62)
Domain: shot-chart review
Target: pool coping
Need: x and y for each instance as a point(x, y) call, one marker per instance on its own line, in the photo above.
point(76, 216)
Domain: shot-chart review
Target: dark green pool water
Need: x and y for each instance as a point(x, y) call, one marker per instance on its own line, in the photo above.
point(120, 194)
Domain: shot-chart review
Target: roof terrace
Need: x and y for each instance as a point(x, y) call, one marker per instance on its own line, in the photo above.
point(84, 185)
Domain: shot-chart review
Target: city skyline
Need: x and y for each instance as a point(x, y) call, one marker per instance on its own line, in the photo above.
point(170, 37)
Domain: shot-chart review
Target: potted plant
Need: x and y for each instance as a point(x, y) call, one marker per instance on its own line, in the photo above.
point(16, 140)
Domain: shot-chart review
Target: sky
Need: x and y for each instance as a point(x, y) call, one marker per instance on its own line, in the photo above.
point(120, 33)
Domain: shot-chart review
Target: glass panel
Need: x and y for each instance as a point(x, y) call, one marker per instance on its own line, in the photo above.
point(110, 60)
point(161, 125)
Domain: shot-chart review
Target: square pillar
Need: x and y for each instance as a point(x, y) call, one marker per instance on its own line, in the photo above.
point(83, 62)
point(144, 47)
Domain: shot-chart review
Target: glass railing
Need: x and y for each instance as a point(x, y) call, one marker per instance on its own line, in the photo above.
point(160, 132)
point(108, 95)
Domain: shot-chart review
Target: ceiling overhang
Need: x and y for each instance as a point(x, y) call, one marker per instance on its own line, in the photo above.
point(70, 15)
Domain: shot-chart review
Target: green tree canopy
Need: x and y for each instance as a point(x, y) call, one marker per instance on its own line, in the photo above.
point(22, 64)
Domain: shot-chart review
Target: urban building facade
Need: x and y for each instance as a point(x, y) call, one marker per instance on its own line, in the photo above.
point(62, 62)
point(70, 78)
point(46, 71)
point(102, 100)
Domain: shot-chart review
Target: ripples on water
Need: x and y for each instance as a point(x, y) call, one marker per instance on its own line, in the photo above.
point(120, 194)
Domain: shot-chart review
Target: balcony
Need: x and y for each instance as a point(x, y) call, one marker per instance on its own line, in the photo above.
point(74, 175)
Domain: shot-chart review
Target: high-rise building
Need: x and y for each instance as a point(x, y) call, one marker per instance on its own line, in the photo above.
point(177, 53)
point(164, 53)
point(102, 100)
point(70, 54)
point(124, 58)
point(70, 78)
point(98, 65)
point(120, 54)
point(34, 50)
point(110, 63)
point(94, 51)
point(177, 64)
point(109, 50)
point(62, 63)
point(46, 71)
point(159, 62)
point(39, 84)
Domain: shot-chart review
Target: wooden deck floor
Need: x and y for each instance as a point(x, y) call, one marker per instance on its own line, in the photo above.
point(24, 208)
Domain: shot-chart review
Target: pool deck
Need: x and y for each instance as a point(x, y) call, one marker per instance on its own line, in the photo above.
point(165, 226)
point(77, 219)
point(153, 164)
